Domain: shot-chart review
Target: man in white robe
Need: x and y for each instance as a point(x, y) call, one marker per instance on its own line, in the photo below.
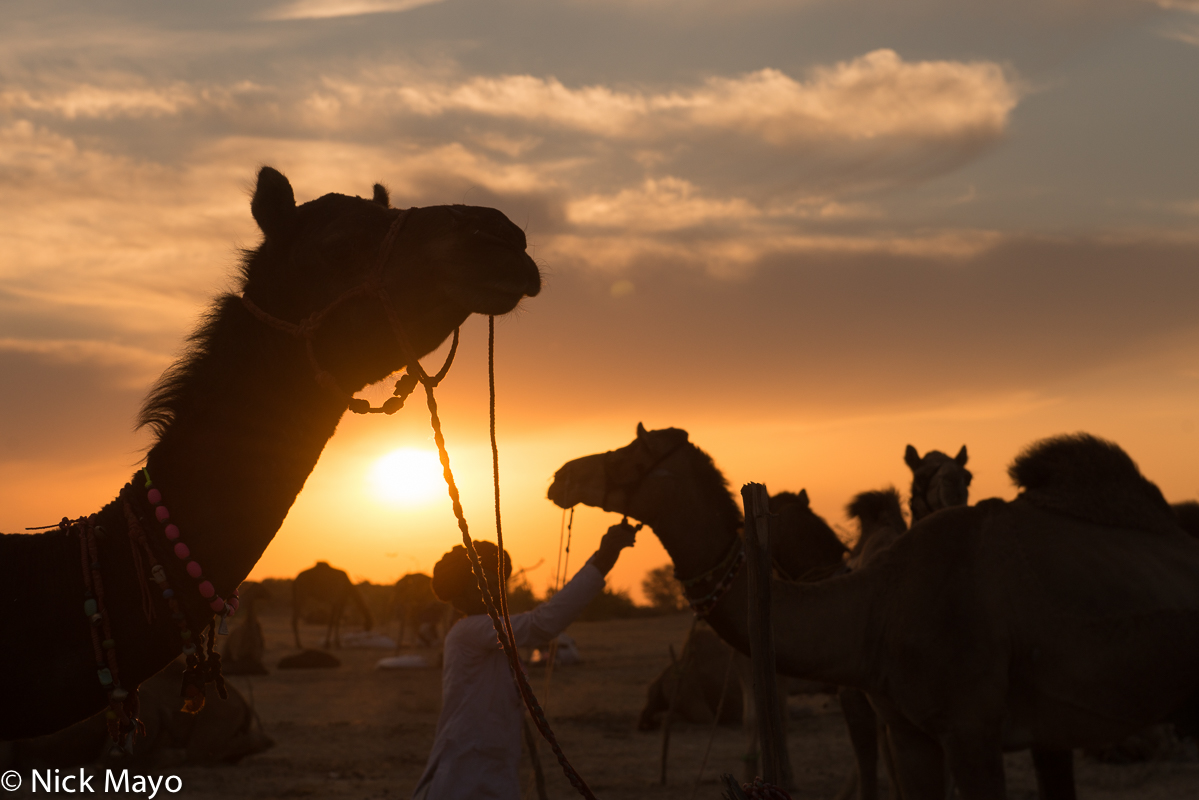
point(476, 751)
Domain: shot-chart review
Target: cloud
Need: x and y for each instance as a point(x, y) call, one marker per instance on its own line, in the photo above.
point(673, 204)
point(863, 123)
point(737, 253)
point(91, 101)
point(328, 9)
point(835, 331)
point(875, 96)
point(134, 367)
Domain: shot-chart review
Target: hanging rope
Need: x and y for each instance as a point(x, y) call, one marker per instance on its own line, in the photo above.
point(561, 538)
point(502, 625)
point(552, 657)
point(495, 479)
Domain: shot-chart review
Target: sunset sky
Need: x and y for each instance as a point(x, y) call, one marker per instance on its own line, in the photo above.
point(809, 232)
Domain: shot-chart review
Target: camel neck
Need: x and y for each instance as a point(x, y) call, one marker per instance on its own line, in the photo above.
point(248, 423)
point(823, 630)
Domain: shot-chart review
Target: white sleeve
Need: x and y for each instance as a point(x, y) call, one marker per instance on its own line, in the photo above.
point(551, 617)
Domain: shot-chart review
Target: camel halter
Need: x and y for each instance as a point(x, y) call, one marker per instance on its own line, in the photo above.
point(633, 486)
point(374, 285)
point(727, 568)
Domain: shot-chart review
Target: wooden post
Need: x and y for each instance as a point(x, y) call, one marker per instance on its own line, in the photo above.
point(761, 632)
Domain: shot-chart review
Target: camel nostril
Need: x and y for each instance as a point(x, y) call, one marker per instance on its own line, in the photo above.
point(533, 285)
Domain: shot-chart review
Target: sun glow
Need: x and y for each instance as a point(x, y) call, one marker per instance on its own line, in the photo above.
point(408, 477)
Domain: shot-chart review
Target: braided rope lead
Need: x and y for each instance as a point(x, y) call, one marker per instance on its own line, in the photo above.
point(501, 573)
point(507, 644)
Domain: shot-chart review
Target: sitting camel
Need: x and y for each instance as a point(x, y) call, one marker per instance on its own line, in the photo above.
point(221, 733)
point(806, 547)
point(325, 584)
point(246, 644)
point(419, 610)
point(1066, 617)
point(703, 672)
point(341, 292)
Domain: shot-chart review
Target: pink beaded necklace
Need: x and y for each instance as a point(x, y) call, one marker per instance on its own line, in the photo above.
point(183, 553)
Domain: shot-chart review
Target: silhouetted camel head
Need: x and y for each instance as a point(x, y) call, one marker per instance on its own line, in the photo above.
point(614, 480)
point(446, 262)
point(938, 481)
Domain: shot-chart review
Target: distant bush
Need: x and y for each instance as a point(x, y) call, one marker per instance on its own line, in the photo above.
point(520, 595)
point(610, 604)
point(663, 590)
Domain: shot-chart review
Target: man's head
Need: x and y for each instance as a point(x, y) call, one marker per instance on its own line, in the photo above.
point(454, 581)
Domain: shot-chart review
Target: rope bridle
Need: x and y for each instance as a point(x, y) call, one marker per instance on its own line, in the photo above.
point(631, 487)
point(376, 285)
point(728, 566)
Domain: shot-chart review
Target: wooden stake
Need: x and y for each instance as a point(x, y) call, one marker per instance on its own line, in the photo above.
point(761, 633)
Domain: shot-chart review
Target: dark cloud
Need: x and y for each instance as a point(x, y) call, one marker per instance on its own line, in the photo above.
point(828, 335)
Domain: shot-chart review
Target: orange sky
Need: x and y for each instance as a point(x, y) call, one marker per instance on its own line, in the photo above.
point(809, 233)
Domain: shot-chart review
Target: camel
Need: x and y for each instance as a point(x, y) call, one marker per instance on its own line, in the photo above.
point(880, 524)
point(1064, 618)
point(702, 672)
point(221, 733)
point(419, 610)
point(245, 646)
point(333, 587)
point(341, 292)
point(938, 481)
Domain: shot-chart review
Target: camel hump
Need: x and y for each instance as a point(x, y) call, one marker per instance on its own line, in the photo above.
point(879, 505)
point(1093, 479)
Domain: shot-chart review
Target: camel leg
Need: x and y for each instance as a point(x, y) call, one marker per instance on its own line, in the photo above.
point(918, 759)
point(332, 634)
point(295, 624)
point(1055, 773)
point(976, 761)
point(863, 734)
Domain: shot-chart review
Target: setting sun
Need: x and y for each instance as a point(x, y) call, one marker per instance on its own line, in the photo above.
point(408, 476)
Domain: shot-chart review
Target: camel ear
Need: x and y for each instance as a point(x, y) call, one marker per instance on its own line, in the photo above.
point(641, 431)
point(803, 498)
point(911, 458)
point(961, 457)
point(274, 204)
point(381, 196)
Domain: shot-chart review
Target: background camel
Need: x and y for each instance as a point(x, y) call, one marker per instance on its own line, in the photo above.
point(696, 680)
point(880, 524)
point(1066, 617)
point(938, 481)
point(418, 609)
point(242, 654)
point(331, 587)
point(239, 422)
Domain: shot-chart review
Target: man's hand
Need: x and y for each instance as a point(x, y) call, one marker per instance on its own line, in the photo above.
point(616, 539)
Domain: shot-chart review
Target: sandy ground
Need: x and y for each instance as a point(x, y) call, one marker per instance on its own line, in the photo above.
point(359, 732)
